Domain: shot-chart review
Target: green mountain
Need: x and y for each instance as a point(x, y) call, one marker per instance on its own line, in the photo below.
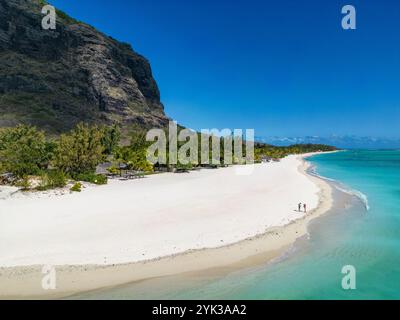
point(56, 78)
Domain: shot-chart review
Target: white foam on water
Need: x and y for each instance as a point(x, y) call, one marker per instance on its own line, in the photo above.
point(357, 193)
point(343, 188)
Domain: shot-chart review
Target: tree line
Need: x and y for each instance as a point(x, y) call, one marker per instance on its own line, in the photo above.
point(26, 151)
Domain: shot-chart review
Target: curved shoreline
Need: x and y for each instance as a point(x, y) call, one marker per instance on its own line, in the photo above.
point(25, 282)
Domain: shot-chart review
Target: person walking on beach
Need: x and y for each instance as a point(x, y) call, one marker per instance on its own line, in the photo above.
point(305, 208)
point(300, 207)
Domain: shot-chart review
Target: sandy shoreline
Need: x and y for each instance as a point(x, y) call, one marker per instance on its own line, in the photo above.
point(264, 237)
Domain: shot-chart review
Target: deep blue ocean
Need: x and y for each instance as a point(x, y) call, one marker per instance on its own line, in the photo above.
point(363, 230)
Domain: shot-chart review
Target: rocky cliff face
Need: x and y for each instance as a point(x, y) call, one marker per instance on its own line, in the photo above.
point(56, 78)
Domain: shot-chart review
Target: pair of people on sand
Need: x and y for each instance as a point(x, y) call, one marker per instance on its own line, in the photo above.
point(304, 207)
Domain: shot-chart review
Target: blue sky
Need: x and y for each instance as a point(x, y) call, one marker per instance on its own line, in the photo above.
point(284, 68)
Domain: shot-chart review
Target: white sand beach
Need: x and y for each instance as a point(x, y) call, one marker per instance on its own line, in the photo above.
point(163, 224)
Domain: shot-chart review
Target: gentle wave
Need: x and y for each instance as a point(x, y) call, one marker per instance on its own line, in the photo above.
point(357, 193)
point(313, 171)
point(342, 187)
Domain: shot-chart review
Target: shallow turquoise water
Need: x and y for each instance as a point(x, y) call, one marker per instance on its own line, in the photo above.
point(351, 235)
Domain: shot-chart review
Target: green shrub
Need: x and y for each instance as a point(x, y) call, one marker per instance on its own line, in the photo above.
point(111, 138)
point(44, 182)
point(113, 170)
point(57, 179)
point(24, 150)
point(135, 155)
point(92, 178)
point(77, 187)
point(80, 150)
point(24, 183)
point(52, 180)
point(2, 168)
